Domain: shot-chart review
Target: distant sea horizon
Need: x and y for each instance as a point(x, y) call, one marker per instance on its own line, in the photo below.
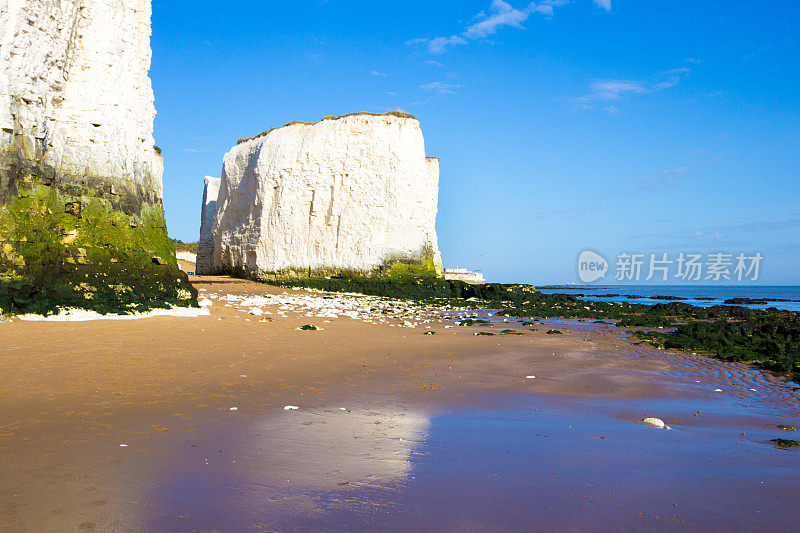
point(785, 297)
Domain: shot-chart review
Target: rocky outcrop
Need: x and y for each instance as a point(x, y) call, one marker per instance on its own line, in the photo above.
point(77, 156)
point(76, 103)
point(353, 193)
point(205, 247)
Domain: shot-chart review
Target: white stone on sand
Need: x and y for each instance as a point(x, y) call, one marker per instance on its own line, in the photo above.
point(655, 422)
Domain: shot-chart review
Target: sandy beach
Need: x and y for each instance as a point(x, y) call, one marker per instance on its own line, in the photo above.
point(185, 424)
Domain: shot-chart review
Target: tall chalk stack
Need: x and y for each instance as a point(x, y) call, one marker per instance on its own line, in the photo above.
point(351, 193)
point(77, 156)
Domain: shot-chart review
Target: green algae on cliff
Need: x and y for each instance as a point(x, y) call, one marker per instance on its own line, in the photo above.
point(61, 251)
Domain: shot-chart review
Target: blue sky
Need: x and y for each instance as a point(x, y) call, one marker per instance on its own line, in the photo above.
point(611, 125)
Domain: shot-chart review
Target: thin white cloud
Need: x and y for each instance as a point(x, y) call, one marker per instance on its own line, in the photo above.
point(605, 91)
point(501, 14)
point(670, 78)
point(723, 231)
point(605, 4)
point(378, 74)
point(667, 178)
point(439, 45)
point(440, 87)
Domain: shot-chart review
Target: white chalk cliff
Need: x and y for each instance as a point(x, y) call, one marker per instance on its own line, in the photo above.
point(355, 192)
point(76, 103)
point(205, 247)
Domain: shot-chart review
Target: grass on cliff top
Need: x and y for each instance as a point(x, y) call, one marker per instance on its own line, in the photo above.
point(399, 114)
point(181, 246)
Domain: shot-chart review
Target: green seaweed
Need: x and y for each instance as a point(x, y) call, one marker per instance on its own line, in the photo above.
point(554, 332)
point(785, 443)
point(62, 251)
point(473, 322)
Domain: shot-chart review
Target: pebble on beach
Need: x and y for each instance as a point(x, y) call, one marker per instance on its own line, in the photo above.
point(655, 422)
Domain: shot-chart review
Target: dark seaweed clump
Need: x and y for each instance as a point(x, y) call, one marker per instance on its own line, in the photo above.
point(785, 443)
point(473, 322)
point(406, 287)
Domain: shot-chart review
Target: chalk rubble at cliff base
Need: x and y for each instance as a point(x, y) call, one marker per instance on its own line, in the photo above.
point(82, 315)
point(325, 306)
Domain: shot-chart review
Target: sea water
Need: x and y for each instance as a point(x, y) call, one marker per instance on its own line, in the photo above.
point(699, 295)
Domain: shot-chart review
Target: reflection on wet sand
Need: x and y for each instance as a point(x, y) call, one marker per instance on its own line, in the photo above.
point(289, 466)
point(327, 448)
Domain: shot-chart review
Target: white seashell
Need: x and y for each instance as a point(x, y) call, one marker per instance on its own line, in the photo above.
point(291, 408)
point(655, 422)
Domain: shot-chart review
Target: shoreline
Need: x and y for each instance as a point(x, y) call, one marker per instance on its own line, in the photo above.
point(71, 394)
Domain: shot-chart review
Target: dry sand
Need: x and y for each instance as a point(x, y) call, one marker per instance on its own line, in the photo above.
point(170, 424)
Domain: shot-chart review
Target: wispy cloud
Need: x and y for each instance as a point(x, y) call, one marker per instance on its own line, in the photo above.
point(722, 232)
point(667, 178)
point(670, 78)
point(440, 87)
point(607, 91)
point(199, 145)
point(378, 74)
point(501, 14)
point(605, 4)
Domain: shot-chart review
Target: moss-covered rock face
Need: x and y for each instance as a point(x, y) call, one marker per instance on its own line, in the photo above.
point(59, 250)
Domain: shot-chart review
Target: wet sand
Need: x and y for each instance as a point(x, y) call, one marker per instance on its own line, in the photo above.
point(178, 424)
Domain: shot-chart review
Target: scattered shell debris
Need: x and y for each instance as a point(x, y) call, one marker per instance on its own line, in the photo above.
point(316, 304)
